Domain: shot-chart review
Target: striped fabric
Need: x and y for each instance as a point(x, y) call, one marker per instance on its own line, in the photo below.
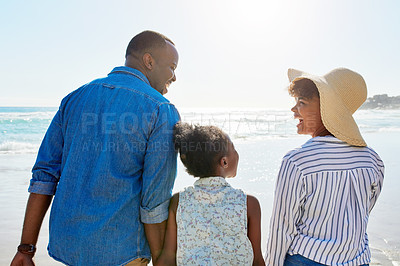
point(324, 193)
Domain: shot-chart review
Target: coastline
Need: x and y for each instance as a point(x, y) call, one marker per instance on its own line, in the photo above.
point(259, 162)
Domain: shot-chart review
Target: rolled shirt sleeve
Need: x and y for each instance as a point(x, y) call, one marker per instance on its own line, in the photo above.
point(47, 169)
point(160, 166)
point(155, 215)
point(377, 186)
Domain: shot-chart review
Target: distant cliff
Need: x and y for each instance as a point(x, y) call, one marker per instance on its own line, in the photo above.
point(382, 101)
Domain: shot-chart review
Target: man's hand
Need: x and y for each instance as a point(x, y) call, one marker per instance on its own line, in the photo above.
point(21, 259)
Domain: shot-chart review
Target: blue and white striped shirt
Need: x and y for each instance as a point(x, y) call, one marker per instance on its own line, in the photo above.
point(324, 193)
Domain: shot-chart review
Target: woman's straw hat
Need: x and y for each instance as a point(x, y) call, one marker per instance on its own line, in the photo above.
point(342, 91)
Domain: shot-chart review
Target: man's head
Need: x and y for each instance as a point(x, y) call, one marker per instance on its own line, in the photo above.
point(155, 56)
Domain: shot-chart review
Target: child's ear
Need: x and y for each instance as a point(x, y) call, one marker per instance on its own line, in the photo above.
point(223, 162)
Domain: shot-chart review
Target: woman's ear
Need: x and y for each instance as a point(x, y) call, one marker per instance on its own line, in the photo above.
point(148, 61)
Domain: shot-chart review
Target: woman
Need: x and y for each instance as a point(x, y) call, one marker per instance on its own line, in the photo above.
point(325, 189)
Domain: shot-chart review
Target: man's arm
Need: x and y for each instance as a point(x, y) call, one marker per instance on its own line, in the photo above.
point(45, 175)
point(36, 209)
point(155, 234)
point(159, 172)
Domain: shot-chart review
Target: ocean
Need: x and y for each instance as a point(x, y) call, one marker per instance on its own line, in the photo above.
point(261, 136)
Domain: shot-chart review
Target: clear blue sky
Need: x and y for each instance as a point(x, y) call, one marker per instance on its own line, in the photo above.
point(232, 53)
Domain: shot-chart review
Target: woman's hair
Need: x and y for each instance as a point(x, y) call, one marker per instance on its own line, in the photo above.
point(303, 88)
point(200, 148)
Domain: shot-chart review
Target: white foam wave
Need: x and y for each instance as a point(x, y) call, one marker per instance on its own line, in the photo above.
point(26, 116)
point(13, 147)
point(389, 129)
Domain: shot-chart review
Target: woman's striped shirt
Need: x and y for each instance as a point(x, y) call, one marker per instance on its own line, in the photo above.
point(324, 193)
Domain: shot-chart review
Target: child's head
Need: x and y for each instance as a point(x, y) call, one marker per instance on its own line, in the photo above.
point(205, 150)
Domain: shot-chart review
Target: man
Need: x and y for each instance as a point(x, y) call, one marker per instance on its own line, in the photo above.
point(109, 160)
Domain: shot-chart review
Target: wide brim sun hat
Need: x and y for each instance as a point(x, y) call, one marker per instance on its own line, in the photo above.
point(342, 91)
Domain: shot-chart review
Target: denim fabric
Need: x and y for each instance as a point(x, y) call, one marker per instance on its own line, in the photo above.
point(298, 260)
point(109, 159)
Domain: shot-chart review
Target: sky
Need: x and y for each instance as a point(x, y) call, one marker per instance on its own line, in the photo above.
point(231, 53)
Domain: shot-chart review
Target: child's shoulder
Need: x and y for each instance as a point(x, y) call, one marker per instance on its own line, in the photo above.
point(173, 203)
point(253, 206)
point(251, 200)
point(174, 198)
point(186, 191)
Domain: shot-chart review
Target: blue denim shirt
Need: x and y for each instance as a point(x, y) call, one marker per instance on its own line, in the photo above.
point(108, 158)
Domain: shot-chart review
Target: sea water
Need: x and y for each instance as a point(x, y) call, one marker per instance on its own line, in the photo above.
point(262, 137)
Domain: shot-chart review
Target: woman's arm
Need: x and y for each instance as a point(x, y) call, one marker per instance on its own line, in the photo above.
point(254, 228)
point(168, 254)
point(286, 212)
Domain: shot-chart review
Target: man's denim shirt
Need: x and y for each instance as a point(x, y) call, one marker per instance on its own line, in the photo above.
point(108, 158)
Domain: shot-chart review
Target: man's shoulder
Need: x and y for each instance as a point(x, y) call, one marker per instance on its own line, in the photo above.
point(124, 90)
point(133, 81)
point(143, 92)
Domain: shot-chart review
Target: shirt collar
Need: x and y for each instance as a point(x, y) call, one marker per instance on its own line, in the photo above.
point(214, 181)
point(130, 71)
point(327, 138)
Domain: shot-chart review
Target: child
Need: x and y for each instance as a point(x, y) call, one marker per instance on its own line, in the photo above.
point(211, 223)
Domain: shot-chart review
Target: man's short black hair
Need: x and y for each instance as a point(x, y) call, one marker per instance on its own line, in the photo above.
point(145, 42)
point(200, 148)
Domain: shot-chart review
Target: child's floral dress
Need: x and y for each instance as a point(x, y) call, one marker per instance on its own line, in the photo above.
point(212, 225)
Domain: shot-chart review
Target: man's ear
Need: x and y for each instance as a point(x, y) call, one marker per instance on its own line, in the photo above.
point(148, 61)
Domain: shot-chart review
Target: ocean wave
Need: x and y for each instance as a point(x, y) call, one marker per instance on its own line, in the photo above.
point(389, 129)
point(34, 116)
point(376, 129)
point(22, 128)
point(14, 147)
